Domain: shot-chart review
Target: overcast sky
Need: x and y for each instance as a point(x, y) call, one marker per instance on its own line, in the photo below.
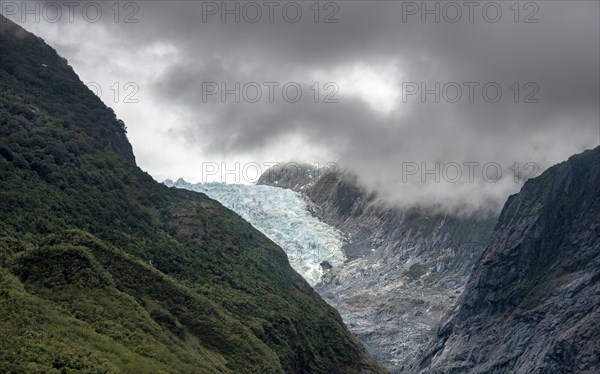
point(369, 62)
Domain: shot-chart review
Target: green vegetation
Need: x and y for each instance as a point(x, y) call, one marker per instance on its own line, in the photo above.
point(104, 270)
point(415, 271)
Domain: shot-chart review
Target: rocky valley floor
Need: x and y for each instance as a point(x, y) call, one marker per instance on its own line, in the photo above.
point(390, 296)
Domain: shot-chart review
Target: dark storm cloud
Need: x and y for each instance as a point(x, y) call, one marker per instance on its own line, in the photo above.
point(559, 55)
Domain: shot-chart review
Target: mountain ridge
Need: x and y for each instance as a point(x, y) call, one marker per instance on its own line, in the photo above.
point(531, 304)
point(405, 267)
point(201, 289)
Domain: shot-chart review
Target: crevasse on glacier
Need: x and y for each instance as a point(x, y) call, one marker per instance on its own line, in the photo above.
point(283, 216)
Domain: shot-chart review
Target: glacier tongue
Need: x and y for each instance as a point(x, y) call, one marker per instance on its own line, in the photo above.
point(283, 216)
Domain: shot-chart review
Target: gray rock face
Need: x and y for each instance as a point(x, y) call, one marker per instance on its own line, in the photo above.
point(532, 304)
point(293, 176)
point(405, 268)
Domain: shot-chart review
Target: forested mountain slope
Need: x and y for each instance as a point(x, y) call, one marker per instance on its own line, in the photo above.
point(105, 270)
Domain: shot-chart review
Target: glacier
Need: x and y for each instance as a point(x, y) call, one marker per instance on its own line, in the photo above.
point(284, 216)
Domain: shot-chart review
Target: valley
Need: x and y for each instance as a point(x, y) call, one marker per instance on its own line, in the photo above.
point(394, 273)
point(449, 222)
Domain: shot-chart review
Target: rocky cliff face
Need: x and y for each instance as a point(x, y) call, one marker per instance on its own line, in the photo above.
point(405, 268)
point(532, 304)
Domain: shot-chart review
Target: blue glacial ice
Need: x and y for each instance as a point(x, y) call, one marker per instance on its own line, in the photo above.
point(284, 217)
